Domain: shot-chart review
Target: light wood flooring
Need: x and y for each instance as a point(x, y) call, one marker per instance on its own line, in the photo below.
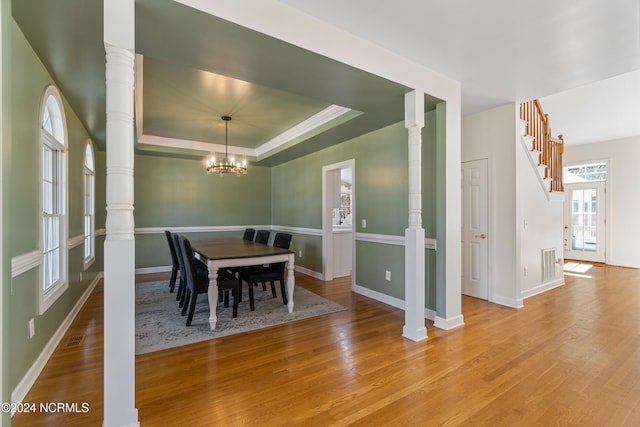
point(570, 357)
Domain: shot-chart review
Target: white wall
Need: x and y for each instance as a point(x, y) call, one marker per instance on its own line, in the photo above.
point(623, 194)
point(491, 135)
point(540, 223)
point(515, 196)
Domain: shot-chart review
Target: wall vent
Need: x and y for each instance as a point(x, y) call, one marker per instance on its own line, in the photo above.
point(72, 342)
point(548, 265)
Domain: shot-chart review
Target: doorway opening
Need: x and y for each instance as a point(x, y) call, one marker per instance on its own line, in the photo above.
point(338, 213)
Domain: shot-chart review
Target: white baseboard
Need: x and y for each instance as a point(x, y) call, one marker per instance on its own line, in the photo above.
point(23, 387)
point(508, 302)
point(542, 288)
point(312, 273)
point(150, 270)
point(449, 323)
point(389, 300)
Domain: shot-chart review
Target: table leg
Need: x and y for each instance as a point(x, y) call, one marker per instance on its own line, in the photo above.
point(291, 282)
point(213, 296)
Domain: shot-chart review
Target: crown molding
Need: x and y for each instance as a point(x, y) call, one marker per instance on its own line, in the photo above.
point(319, 119)
point(330, 113)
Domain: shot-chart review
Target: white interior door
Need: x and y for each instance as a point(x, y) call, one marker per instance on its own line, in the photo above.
point(584, 221)
point(474, 229)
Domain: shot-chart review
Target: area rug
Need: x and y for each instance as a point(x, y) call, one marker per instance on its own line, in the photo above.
point(159, 324)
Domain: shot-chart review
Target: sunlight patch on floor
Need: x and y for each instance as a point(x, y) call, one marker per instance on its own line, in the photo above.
point(577, 269)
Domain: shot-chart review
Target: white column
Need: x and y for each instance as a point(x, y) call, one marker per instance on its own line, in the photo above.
point(4, 418)
point(414, 293)
point(119, 246)
point(449, 222)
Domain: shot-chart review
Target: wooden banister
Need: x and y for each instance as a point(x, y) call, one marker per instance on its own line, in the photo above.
point(550, 148)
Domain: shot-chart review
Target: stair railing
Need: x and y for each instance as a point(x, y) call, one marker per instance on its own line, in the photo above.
point(550, 148)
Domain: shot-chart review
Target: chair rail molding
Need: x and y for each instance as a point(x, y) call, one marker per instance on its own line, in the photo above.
point(22, 263)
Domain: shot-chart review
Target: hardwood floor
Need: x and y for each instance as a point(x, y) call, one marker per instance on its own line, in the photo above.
point(570, 357)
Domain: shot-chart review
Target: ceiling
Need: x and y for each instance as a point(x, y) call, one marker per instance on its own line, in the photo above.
point(506, 51)
point(286, 102)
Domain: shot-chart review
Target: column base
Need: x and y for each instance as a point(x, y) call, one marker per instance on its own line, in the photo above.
point(414, 335)
point(450, 323)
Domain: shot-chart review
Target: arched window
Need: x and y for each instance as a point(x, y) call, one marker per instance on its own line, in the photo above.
point(53, 241)
point(89, 206)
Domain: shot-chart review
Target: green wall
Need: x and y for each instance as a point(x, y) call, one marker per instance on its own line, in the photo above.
point(29, 80)
point(381, 197)
point(5, 232)
point(174, 193)
point(171, 193)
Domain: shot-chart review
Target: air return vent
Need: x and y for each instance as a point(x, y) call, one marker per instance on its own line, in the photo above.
point(548, 265)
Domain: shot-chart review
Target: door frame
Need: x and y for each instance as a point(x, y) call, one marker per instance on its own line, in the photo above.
point(327, 226)
point(490, 222)
point(608, 201)
point(604, 225)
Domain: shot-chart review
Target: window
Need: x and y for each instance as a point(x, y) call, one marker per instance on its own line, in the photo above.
point(89, 206)
point(53, 199)
point(584, 173)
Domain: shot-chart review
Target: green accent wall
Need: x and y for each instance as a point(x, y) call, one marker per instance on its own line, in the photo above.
point(176, 192)
point(381, 197)
point(372, 260)
point(5, 232)
point(21, 150)
point(170, 193)
point(173, 192)
point(311, 247)
point(440, 198)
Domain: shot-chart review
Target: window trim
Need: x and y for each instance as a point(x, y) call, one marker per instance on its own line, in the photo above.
point(89, 170)
point(46, 297)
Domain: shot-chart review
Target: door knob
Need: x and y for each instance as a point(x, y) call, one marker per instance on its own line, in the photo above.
point(482, 236)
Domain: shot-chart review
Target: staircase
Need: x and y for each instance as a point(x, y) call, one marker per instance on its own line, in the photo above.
point(545, 151)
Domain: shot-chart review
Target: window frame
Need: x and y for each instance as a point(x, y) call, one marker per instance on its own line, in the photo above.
point(89, 214)
point(585, 175)
point(50, 133)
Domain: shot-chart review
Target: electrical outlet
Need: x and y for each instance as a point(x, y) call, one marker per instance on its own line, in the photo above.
point(32, 328)
point(300, 254)
point(364, 223)
point(525, 271)
point(387, 275)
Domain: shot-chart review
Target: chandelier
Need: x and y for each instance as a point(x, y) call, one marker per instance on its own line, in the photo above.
point(226, 164)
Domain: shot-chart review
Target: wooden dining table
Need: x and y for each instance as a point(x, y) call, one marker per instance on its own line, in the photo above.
point(224, 252)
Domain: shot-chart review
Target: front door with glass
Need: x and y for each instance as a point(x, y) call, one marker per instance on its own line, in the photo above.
point(584, 223)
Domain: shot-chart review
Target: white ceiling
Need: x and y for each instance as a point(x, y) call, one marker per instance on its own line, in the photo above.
point(505, 51)
point(581, 58)
point(601, 111)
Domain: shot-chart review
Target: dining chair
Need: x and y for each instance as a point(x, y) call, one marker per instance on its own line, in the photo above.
point(201, 269)
point(248, 234)
point(182, 286)
point(270, 273)
point(175, 267)
point(262, 236)
point(197, 284)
